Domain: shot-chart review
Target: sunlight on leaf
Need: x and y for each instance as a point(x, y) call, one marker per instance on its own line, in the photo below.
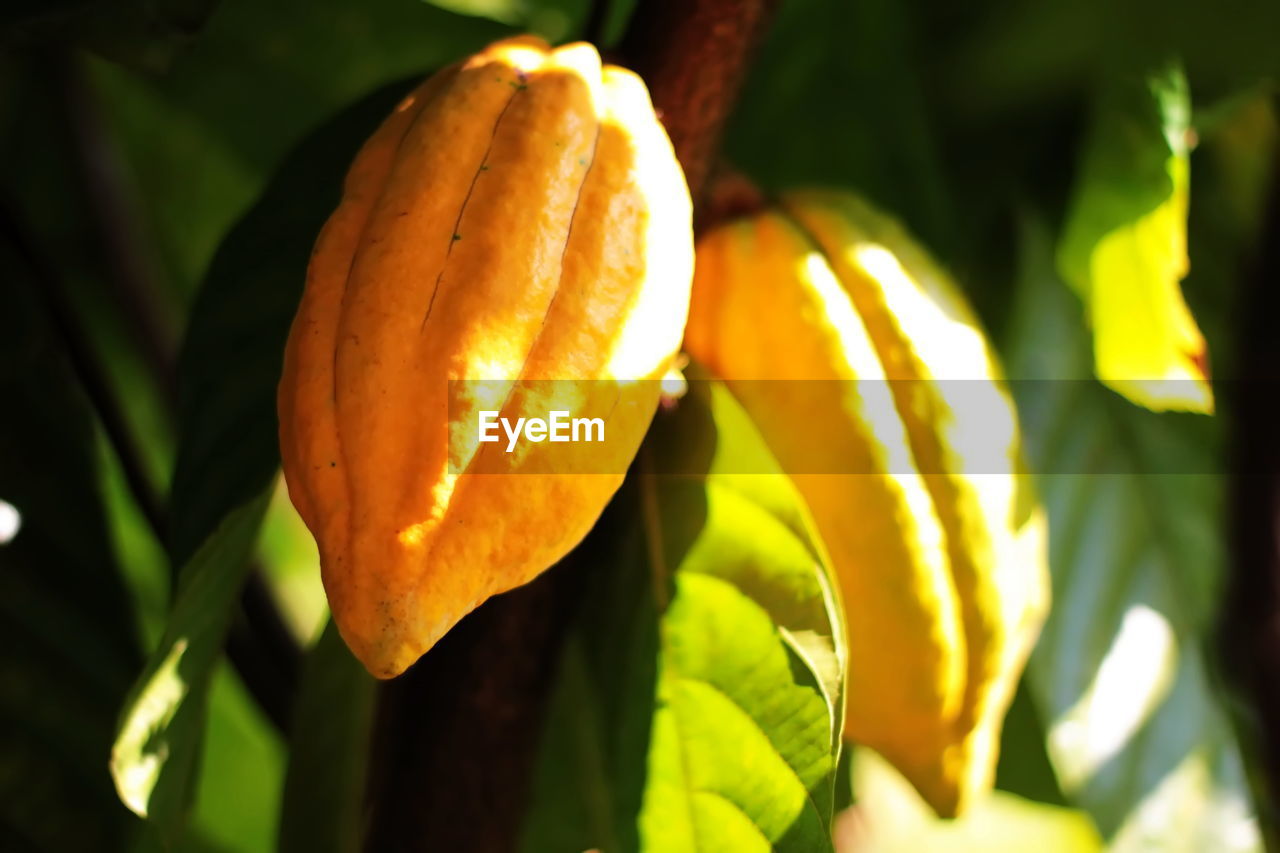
point(291, 561)
point(139, 756)
point(156, 753)
point(506, 11)
point(1141, 662)
point(1124, 246)
point(701, 699)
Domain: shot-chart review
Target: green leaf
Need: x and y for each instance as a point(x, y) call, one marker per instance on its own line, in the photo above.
point(554, 20)
point(67, 625)
point(147, 34)
point(506, 11)
point(228, 457)
point(242, 765)
point(1124, 245)
point(835, 99)
point(1024, 767)
point(328, 751)
point(1137, 731)
point(702, 697)
point(231, 358)
point(203, 140)
point(154, 759)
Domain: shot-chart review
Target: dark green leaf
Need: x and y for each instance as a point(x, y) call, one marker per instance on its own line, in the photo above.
point(144, 33)
point(228, 456)
point(835, 98)
point(204, 139)
point(1024, 767)
point(231, 358)
point(328, 752)
point(67, 625)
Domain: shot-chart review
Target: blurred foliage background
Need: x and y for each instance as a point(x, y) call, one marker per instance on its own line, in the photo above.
point(137, 134)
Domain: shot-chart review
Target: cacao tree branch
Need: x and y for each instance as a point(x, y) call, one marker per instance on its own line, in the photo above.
point(456, 735)
point(694, 56)
point(1250, 624)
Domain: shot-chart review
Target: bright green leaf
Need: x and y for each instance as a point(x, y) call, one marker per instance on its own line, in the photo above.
point(241, 773)
point(701, 703)
point(289, 557)
point(1124, 245)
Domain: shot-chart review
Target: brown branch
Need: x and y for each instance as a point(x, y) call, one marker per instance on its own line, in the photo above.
point(694, 55)
point(456, 736)
point(1250, 622)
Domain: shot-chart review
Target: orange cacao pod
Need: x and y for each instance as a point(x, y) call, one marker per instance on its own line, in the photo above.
point(520, 216)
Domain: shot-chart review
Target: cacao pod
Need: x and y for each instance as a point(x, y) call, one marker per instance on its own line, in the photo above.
point(519, 217)
point(937, 541)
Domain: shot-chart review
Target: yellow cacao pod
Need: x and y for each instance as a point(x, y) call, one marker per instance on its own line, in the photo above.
point(935, 537)
point(519, 217)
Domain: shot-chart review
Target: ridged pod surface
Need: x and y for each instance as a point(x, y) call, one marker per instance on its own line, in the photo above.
point(519, 217)
point(935, 537)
